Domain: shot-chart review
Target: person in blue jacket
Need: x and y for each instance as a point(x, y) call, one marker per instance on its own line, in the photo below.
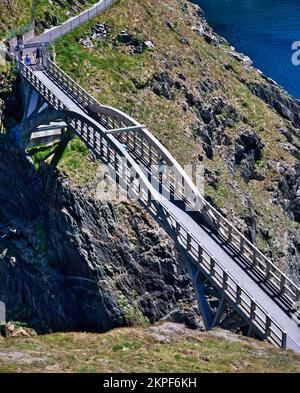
point(27, 60)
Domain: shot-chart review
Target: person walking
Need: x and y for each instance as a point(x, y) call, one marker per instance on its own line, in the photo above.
point(38, 55)
point(27, 60)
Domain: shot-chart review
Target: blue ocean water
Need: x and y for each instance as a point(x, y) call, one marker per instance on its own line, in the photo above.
point(263, 30)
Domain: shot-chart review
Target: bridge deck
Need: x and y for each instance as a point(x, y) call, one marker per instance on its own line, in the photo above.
point(208, 239)
point(211, 242)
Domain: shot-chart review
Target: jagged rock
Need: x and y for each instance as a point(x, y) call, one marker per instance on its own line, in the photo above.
point(12, 329)
point(187, 317)
point(126, 38)
point(149, 44)
point(98, 31)
point(191, 98)
point(163, 83)
point(170, 24)
point(206, 136)
point(245, 60)
point(87, 42)
point(287, 106)
point(136, 45)
point(248, 150)
point(212, 178)
point(181, 76)
point(288, 191)
point(292, 252)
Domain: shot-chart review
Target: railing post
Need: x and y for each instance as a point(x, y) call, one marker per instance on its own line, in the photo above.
point(242, 243)
point(189, 241)
point(268, 326)
point(254, 256)
point(252, 309)
point(238, 295)
point(268, 270)
point(150, 154)
point(108, 151)
point(116, 161)
point(282, 283)
point(284, 340)
point(225, 280)
point(149, 202)
point(200, 252)
point(229, 229)
point(212, 267)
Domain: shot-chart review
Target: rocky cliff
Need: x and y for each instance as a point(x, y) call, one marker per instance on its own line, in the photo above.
point(69, 262)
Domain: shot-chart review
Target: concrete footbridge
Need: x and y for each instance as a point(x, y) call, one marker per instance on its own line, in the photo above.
point(237, 287)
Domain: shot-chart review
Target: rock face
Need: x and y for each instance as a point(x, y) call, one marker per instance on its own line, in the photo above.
point(288, 191)
point(98, 31)
point(134, 45)
point(69, 262)
point(248, 150)
point(272, 94)
point(163, 84)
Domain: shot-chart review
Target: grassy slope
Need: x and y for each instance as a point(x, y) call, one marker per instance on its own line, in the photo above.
point(163, 349)
point(14, 13)
point(110, 73)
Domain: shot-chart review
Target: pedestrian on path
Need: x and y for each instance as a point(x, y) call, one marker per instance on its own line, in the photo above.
point(27, 60)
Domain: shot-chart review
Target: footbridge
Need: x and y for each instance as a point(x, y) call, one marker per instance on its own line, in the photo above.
point(237, 286)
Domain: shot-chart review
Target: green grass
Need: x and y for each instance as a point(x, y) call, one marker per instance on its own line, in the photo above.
point(14, 15)
point(76, 161)
point(132, 312)
point(143, 350)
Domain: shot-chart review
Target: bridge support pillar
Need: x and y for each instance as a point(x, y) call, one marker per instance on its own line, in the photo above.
point(193, 270)
point(60, 149)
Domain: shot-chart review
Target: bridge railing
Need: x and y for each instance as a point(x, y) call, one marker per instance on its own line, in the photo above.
point(238, 296)
point(109, 149)
point(113, 153)
point(149, 150)
point(57, 32)
point(270, 272)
